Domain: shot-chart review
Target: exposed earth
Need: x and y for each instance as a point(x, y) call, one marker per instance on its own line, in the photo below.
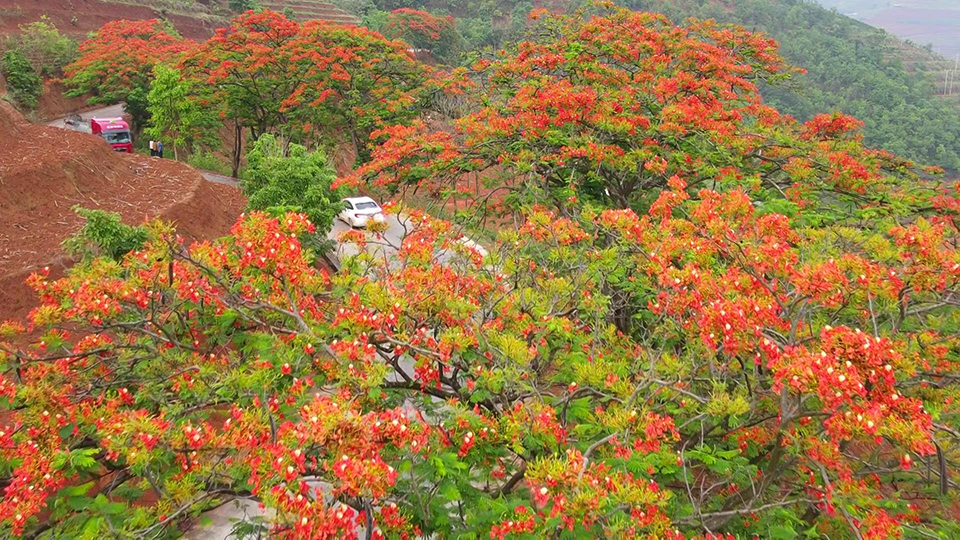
point(193, 19)
point(44, 171)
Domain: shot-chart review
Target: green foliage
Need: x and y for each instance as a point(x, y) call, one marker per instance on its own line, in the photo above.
point(279, 179)
point(175, 116)
point(240, 6)
point(47, 50)
point(25, 85)
point(367, 11)
point(479, 24)
point(207, 161)
point(103, 234)
point(477, 33)
point(137, 105)
point(375, 19)
point(357, 8)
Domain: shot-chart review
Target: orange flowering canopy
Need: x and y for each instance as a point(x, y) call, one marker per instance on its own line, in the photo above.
point(607, 108)
point(119, 58)
point(424, 30)
point(759, 339)
point(274, 74)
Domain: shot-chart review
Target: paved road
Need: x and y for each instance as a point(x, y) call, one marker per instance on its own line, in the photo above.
point(115, 111)
point(385, 246)
point(112, 111)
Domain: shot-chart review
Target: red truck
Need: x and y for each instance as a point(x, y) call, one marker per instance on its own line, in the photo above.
point(115, 131)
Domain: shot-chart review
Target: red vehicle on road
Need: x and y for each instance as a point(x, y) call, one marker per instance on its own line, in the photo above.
point(115, 131)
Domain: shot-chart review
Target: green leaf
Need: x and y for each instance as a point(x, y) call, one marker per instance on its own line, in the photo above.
point(76, 491)
point(92, 527)
point(450, 492)
point(79, 503)
point(113, 508)
point(781, 532)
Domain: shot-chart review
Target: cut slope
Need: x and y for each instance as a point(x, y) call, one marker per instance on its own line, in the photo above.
point(45, 171)
point(77, 18)
point(304, 10)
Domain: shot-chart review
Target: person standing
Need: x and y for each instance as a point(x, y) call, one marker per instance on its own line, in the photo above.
point(153, 148)
point(159, 149)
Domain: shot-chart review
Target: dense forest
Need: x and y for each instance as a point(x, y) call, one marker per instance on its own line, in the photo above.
point(851, 67)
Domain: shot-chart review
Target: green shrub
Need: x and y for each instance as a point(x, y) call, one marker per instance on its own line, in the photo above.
point(103, 234)
point(241, 6)
point(296, 179)
point(47, 50)
point(24, 85)
point(206, 161)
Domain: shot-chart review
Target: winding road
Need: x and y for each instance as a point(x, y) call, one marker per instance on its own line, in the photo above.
point(386, 246)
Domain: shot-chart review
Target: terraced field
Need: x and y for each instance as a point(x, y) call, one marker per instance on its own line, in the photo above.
point(308, 9)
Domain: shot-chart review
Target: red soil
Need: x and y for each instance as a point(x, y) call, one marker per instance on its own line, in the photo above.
point(53, 104)
point(44, 171)
point(77, 18)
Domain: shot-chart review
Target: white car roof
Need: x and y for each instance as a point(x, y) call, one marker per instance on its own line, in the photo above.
point(355, 200)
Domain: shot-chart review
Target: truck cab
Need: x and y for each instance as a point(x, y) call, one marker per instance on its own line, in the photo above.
point(115, 131)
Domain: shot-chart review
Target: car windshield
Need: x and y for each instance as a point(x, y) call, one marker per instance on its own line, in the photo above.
point(366, 205)
point(117, 137)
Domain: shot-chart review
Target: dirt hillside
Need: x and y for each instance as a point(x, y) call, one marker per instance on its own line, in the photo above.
point(44, 171)
point(194, 20)
point(77, 18)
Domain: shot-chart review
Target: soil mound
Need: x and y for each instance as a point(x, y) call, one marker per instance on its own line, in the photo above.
point(44, 171)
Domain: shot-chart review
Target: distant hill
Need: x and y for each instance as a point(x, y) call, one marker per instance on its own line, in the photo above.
point(934, 22)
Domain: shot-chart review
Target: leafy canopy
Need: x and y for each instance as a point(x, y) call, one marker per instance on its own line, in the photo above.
point(759, 338)
point(116, 63)
point(281, 177)
point(45, 47)
point(275, 75)
point(25, 85)
point(103, 234)
point(423, 30)
point(179, 110)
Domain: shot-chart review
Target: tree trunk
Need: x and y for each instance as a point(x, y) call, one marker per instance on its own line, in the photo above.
point(237, 145)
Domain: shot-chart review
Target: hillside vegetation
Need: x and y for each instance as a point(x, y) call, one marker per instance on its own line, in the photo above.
point(851, 67)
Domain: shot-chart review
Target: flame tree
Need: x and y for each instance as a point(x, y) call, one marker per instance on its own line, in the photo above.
point(276, 75)
point(116, 63)
point(424, 30)
point(760, 340)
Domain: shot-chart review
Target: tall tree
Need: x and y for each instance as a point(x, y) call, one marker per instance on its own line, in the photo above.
point(282, 177)
point(116, 63)
point(304, 81)
point(181, 112)
point(423, 30)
